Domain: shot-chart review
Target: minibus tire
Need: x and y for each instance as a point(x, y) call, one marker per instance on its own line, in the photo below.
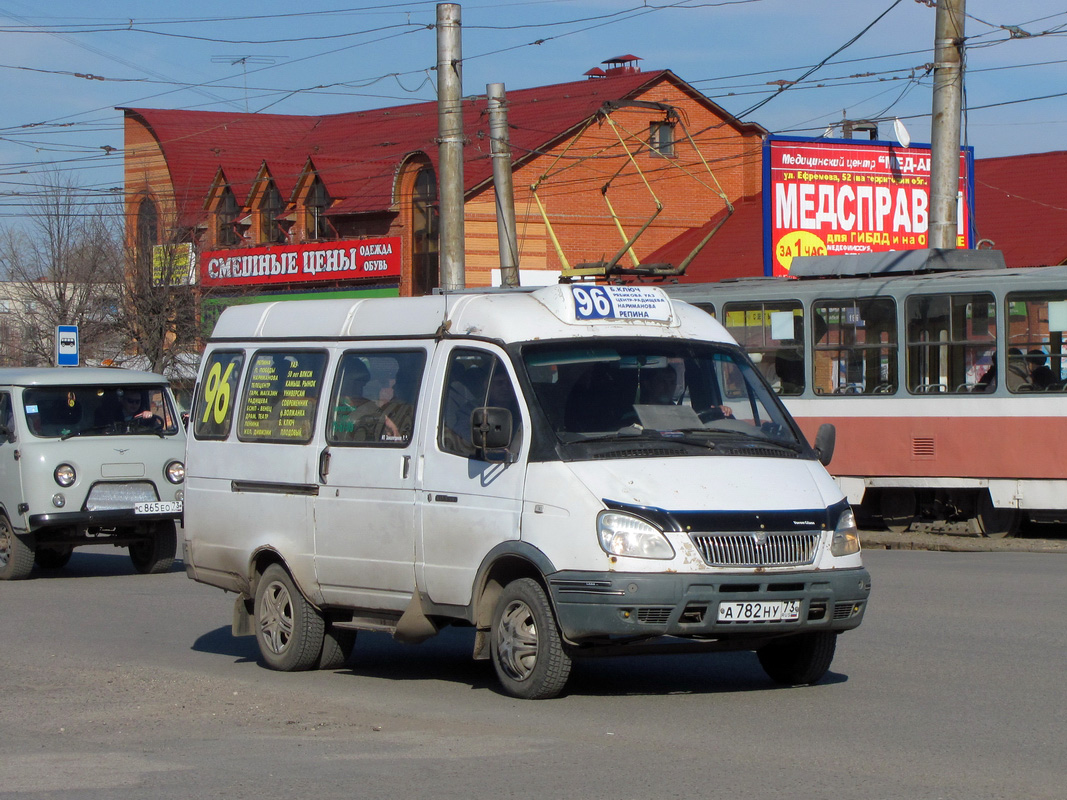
point(800, 659)
point(280, 607)
point(52, 557)
point(16, 557)
point(337, 646)
point(528, 653)
point(155, 553)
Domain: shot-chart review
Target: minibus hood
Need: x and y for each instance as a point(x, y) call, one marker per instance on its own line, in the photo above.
point(711, 484)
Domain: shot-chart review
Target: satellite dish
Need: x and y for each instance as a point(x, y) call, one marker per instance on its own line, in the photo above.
point(901, 132)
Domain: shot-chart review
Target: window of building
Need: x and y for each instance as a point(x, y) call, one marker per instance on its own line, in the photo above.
point(773, 335)
point(857, 346)
point(226, 234)
point(661, 138)
point(147, 224)
point(425, 267)
point(268, 227)
point(315, 205)
point(951, 341)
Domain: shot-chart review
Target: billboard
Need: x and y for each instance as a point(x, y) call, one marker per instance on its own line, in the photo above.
point(846, 196)
point(173, 264)
point(354, 260)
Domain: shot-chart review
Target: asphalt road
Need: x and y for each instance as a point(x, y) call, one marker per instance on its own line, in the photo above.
point(117, 686)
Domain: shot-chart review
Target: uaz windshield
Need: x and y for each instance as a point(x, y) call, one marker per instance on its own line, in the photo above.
point(78, 410)
point(696, 392)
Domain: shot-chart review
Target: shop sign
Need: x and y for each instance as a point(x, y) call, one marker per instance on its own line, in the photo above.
point(352, 260)
point(842, 196)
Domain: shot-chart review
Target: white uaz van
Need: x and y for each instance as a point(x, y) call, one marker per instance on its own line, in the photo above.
point(88, 456)
point(572, 471)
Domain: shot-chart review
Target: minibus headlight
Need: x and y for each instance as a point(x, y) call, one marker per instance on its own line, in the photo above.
point(175, 472)
point(623, 535)
point(65, 475)
point(846, 539)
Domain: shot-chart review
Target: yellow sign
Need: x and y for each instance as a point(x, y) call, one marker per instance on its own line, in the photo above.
point(173, 264)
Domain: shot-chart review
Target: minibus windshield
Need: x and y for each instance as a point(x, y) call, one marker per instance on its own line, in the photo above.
point(696, 392)
point(79, 410)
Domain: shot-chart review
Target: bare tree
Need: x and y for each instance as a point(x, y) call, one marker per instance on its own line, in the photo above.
point(63, 265)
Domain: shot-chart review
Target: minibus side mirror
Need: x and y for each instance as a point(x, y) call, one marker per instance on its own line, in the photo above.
point(491, 431)
point(825, 440)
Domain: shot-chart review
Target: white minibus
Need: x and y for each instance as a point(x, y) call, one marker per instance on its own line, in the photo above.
point(574, 471)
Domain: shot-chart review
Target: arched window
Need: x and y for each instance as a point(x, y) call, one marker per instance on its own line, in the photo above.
point(147, 224)
point(270, 208)
point(425, 214)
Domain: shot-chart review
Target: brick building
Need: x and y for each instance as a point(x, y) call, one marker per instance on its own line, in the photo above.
point(267, 189)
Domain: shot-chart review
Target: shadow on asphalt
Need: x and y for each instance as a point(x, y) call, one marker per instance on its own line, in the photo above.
point(447, 657)
point(97, 563)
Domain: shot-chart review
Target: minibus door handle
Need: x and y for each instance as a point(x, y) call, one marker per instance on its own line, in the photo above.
point(324, 464)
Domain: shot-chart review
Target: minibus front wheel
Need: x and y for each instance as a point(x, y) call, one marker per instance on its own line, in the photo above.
point(800, 659)
point(289, 630)
point(528, 653)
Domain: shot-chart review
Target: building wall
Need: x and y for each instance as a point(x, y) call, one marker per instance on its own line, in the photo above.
point(571, 175)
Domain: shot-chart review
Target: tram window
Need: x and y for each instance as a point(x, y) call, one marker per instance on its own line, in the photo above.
point(856, 351)
point(773, 335)
point(1036, 322)
point(951, 341)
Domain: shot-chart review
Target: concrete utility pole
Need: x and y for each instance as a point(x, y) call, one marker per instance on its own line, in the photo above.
point(450, 143)
point(500, 146)
point(945, 125)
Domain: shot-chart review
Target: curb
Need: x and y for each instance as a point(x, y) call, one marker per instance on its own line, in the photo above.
point(886, 540)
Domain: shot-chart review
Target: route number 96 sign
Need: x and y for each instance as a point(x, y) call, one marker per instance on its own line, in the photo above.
point(620, 302)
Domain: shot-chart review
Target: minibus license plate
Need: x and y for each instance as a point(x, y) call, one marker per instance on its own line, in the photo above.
point(158, 507)
point(760, 611)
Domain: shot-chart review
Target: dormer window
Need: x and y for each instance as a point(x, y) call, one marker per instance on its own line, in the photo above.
point(315, 206)
point(268, 229)
point(226, 220)
point(661, 138)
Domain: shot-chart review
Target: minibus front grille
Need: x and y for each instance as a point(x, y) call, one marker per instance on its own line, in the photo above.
point(757, 549)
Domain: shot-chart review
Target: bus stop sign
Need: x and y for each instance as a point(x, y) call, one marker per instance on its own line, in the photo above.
point(66, 345)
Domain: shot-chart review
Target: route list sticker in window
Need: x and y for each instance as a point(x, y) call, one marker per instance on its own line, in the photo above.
point(283, 392)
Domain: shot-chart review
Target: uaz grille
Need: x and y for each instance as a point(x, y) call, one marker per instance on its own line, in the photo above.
point(757, 549)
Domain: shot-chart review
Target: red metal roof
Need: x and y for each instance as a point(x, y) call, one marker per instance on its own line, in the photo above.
point(735, 251)
point(356, 154)
point(1020, 206)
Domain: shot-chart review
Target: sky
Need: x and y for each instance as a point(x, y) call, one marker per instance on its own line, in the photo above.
point(66, 65)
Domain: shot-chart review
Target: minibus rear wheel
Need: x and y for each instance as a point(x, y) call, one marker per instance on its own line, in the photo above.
point(16, 557)
point(155, 553)
point(289, 630)
point(800, 659)
point(528, 653)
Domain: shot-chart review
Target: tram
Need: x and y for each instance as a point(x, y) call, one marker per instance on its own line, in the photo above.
point(946, 384)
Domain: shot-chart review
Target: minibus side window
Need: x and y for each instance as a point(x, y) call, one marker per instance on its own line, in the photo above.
point(281, 396)
point(474, 378)
point(7, 418)
point(374, 398)
point(772, 333)
point(216, 395)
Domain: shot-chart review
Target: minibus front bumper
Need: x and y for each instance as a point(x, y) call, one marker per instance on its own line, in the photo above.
point(612, 606)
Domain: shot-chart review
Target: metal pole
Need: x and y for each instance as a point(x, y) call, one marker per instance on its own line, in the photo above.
point(500, 147)
point(450, 143)
point(945, 124)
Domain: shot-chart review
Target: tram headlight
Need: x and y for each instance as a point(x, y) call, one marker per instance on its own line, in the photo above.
point(624, 535)
point(846, 539)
